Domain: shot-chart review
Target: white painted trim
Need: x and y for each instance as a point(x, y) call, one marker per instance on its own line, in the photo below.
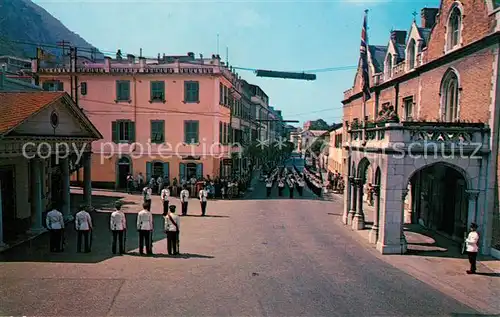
point(460, 7)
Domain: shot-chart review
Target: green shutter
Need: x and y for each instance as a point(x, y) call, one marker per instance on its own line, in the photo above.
point(196, 131)
point(166, 170)
point(60, 86)
point(160, 129)
point(182, 171)
point(131, 132)
point(186, 91)
point(149, 171)
point(118, 95)
point(196, 91)
point(114, 131)
point(186, 132)
point(153, 131)
point(199, 170)
point(126, 89)
point(220, 132)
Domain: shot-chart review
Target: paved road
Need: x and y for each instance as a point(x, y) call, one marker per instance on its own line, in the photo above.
point(254, 257)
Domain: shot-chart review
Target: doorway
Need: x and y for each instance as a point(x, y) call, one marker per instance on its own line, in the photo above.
point(158, 170)
point(7, 180)
point(190, 171)
point(123, 171)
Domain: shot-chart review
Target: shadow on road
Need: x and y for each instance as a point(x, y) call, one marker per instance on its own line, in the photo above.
point(37, 250)
point(206, 216)
point(179, 256)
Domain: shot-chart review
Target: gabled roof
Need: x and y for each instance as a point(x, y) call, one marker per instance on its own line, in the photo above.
point(377, 53)
point(17, 107)
point(400, 50)
point(425, 33)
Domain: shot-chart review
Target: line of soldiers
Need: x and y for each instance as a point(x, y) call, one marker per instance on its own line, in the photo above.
point(118, 225)
point(285, 176)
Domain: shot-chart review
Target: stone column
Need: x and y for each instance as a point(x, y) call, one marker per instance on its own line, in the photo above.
point(352, 212)
point(87, 179)
point(66, 208)
point(358, 222)
point(2, 244)
point(36, 197)
point(373, 235)
point(472, 210)
point(403, 238)
point(347, 199)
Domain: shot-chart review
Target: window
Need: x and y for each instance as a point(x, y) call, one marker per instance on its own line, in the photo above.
point(408, 105)
point(123, 131)
point(122, 90)
point(53, 85)
point(221, 132)
point(157, 91)
point(191, 130)
point(411, 54)
point(454, 26)
point(191, 91)
point(449, 95)
point(83, 88)
point(157, 131)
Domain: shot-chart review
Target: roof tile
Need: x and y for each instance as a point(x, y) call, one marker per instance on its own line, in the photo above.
point(15, 107)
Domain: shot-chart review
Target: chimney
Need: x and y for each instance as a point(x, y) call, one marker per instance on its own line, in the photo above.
point(107, 64)
point(158, 57)
point(399, 37)
point(428, 17)
point(191, 55)
point(130, 58)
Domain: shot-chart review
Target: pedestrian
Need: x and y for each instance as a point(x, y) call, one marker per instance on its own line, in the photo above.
point(269, 186)
point(118, 226)
point(472, 247)
point(291, 185)
point(281, 185)
point(172, 226)
point(184, 200)
point(165, 195)
point(159, 181)
point(145, 227)
point(55, 225)
point(83, 226)
point(203, 195)
point(147, 192)
point(130, 183)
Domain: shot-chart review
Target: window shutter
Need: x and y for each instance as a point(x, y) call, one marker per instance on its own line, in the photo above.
point(131, 132)
point(114, 131)
point(166, 170)
point(126, 90)
point(83, 88)
point(196, 91)
point(186, 91)
point(160, 129)
point(118, 93)
point(182, 171)
point(60, 86)
point(149, 170)
point(186, 132)
point(196, 130)
point(46, 86)
point(152, 92)
point(220, 132)
point(153, 131)
point(199, 170)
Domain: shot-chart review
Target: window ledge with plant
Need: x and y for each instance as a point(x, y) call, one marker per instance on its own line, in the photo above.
point(123, 100)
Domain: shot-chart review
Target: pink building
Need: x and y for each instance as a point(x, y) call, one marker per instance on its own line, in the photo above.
point(165, 117)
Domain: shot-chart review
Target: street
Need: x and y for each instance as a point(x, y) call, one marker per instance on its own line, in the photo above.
point(252, 257)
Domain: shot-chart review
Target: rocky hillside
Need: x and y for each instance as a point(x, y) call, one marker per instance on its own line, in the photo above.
point(24, 21)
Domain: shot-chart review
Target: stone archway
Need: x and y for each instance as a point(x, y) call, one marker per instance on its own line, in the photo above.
point(373, 236)
point(439, 199)
point(358, 217)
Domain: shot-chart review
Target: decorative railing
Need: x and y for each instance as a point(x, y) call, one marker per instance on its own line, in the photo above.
point(466, 137)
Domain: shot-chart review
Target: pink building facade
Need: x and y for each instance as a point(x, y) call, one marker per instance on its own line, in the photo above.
point(167, 117)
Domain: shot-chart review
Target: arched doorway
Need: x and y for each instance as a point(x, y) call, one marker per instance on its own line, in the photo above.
point(358, 222)
point(124, 168)
point(439, 200)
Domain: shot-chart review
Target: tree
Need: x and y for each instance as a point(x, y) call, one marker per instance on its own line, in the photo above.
point(319, 124)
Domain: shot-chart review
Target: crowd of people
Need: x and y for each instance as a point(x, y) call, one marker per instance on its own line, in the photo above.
point(336, 182)
point(218, 187)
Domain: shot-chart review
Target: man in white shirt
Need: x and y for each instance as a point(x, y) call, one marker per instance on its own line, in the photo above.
point(172, 228)
point(147, 192)
point(83, 226)
point(165, 195)
point(269, 186)
point(159, 181)
point(281, 185)
point(118, 226)
point(203, 195)
point(55, 225)
point(145, 227)
point(184, 200)
point(472, 247)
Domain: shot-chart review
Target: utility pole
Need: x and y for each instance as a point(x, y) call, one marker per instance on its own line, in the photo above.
point(63, 44)
point(75, 61)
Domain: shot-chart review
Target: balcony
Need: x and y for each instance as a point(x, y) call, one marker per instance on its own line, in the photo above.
point(445, 137)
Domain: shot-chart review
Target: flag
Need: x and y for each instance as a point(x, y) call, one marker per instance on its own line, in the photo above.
point(365, 79)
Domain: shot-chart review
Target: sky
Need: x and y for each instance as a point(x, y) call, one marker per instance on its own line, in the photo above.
point(273, 35)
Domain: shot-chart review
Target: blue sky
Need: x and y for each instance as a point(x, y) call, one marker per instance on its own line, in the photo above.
point(275, 35)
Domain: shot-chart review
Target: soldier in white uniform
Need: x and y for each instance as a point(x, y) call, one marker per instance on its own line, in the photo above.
point(145, 227)
point(147, 192)
point(184, 200)
point(83, 226)
point(165, 195)
point(172, 228)
point(281, 185)
point(55, 225)
point(118, 226)
point(203, 195)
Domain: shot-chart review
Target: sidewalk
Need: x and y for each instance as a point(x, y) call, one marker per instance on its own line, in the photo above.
point(439, 265)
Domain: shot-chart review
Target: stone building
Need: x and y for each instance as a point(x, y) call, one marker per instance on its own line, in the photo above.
point(428, 136)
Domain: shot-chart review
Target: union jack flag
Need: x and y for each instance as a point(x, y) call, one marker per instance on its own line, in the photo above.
point(364, 62)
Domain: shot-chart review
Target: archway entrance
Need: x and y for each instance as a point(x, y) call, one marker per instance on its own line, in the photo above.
point(123, 171)
point(439, 201)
